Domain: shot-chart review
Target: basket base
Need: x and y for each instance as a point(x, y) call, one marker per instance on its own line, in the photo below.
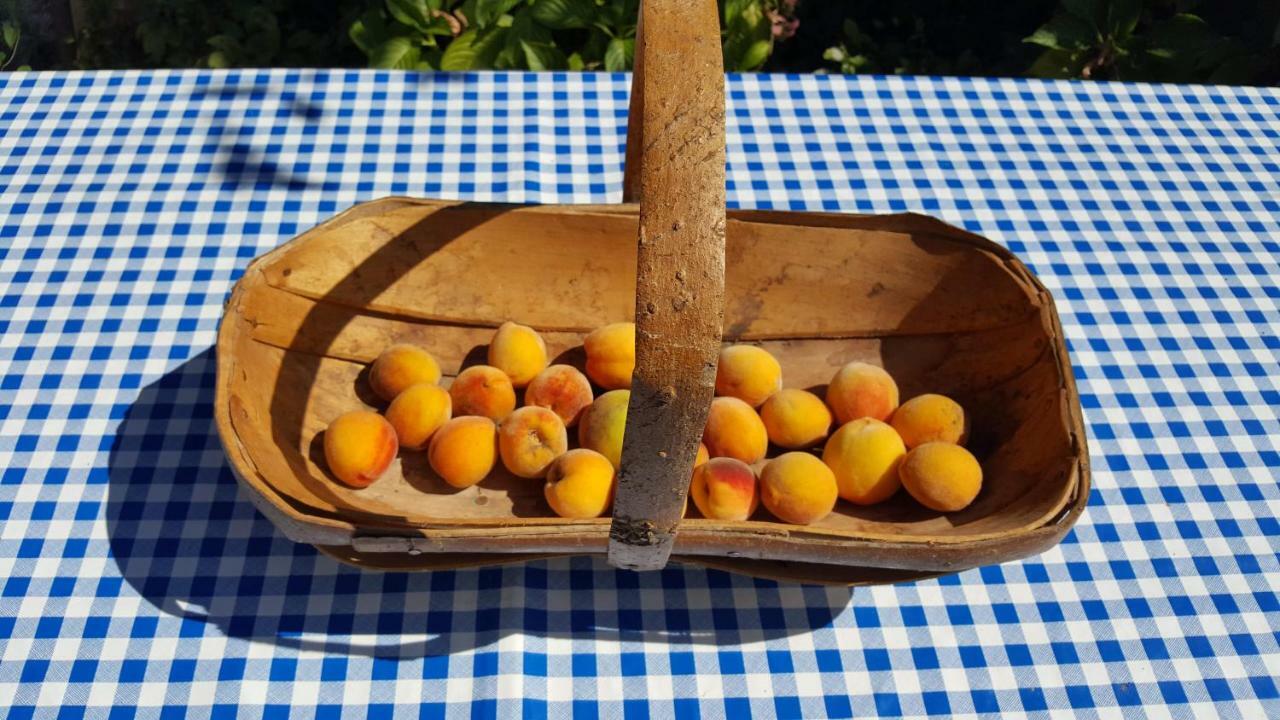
point(777, 570)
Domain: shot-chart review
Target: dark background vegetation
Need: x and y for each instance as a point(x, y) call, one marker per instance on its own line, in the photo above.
point(1194, 41)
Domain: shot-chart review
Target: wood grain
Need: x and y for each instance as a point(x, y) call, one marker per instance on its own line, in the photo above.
point(679, 273)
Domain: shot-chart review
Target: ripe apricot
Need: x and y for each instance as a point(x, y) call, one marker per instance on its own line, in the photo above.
point(930, 418)
point(795, 419)
point(418, 412)
point(602, 425)
point(563, 389)
point(798, 488)
point(864, 455)
point(702, 456)
point(518, 351)
point(860, 390)
point(482, 390)
point(529, 439)
point(359, 447)
point(580, 484)
point(941, 476)
point(735, 430)
point(463, 450)
point(400, 366)
point(725, 489)
point(611, 355)
point(748, 373)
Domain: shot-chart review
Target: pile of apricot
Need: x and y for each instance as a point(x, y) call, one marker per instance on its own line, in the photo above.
point(877, 447)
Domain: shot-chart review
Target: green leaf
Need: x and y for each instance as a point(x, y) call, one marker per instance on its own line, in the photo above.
point(1180, 35)
point(1091, 11)
point(565, 14)
point(218, 61)
point(414, 13)
point(1122, 17)
point(542, 56)
point(369, 31)
point(11, 35)
point(488, 11)
point(755, 55)
point(473, 49)
point(1058, 64)
point(398, 53)
point(1064, 32)
point(834, 54)
point(575, 62)
point(620, 54)
point(735, 9)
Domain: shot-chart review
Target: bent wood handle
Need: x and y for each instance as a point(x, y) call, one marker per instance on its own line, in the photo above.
point(675, 167)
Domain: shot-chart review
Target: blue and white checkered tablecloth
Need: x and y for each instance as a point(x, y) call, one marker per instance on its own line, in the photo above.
point(136, 582)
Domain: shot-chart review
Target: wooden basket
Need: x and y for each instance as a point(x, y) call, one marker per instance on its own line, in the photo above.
point(941, 309)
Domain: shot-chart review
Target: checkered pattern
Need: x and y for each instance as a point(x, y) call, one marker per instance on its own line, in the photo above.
point(136, 582)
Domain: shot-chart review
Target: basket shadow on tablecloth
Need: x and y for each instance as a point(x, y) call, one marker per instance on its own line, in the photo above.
point(185, 539)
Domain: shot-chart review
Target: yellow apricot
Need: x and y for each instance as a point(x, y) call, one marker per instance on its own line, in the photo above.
point(702, 456)
point(795, 419)
point(562, 389)
point(864, 455)
point(930, 418)
point(798, 488)
point(735, 430)
point(602, 425)
point(418, 412)
point(463, 450)
point(359, 447)
point(482, 390)
point(860, 390)
point(580, 484)
point(518, 351)
point(611, 355)
point(400, 366)
point(941, 476)
point(748, 373)
point(725, 489)
point(529, 439)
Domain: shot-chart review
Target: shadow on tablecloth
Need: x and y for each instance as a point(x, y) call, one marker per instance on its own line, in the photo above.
point(187, 541)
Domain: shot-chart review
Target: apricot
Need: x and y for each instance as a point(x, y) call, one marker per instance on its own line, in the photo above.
point(359, 447)
point(529, 439)
point(580, 484)
point(603, 423)
point(748, 373)
point(735, 430)
point(483, 390)
point(518, 351)
point(611, 355)
point(795, 419)
point(725, 489)
point(400, 366)
point(798, 488)
point(864, 455)
point(930, 418)
point(463, 450)
point(703, 455)
point(860, 390)
point(941, 476)
point(418, 412)
point(563, 389)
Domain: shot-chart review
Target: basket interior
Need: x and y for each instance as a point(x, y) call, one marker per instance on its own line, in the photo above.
point(941, 310)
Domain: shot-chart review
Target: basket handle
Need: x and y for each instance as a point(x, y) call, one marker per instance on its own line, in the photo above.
point(675, 167)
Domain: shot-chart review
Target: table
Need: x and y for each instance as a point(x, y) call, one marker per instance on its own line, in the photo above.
point(135, 581)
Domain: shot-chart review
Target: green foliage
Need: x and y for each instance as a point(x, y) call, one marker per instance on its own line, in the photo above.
point(1152, 40)
point(13, 49)
point(217, 33)
point(538, 34)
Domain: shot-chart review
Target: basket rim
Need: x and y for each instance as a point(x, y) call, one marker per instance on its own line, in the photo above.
point(712, 538)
